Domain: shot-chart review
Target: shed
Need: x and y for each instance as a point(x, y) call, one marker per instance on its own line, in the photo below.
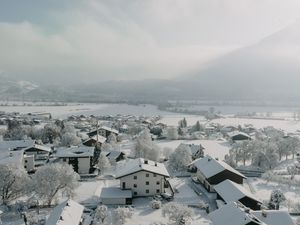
point(115, 196)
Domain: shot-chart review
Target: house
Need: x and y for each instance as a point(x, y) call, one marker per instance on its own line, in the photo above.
point(81, 158)
point(16, 145)
point(114, 156)
point(143, 177)
point(238, 136)
point(229, 191)
point(274, 217)
point(92, 141)
point(103, 131)
point(40, 152)
point(66, 213)
point(235, 214)
point(211, 172)
point(115, 196)
point(196, 150)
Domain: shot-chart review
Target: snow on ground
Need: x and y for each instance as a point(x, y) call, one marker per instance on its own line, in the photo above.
point(263, 191)
point(145, 215)
point(87, 109)
point(216, 149)
point(89, 192)
point(286, 125)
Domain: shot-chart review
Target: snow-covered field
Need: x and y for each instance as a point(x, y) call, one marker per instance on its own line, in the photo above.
point(286, 125)
point(216, 149)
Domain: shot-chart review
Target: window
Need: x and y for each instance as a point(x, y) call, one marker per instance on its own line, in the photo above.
point(147, 174)
point(147, 191)
point(64, 159)
point(135, 185)
point(25, 167)
point(135, 177)
point(26, 161)
point(157, 191)
point(147, 182)
point(157, 182)
point(154, 175)
point(135, 193)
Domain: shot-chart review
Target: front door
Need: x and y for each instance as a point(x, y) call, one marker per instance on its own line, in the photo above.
point(123, 185)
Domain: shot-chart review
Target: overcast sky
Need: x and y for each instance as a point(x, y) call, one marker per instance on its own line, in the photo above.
point(101, 40)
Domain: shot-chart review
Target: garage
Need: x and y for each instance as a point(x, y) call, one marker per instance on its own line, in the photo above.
point(115, 196)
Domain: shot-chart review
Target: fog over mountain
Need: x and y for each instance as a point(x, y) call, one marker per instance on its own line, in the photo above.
point(269, 70)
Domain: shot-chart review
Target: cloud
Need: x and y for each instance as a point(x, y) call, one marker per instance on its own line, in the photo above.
point(136, 40)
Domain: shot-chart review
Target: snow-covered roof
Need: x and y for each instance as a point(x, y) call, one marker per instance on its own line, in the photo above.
point(232, 214)
point(17, 144)
point(235, 133)
point(109, 129)
point(115, 192)
point(274, 217)
point(233, 192)
point(210, 166)
point(14, 158)
point(66, 213)
point(77, 152)
point(101, 139)
point(141, 164)
point(39, 147)
point(112, 155)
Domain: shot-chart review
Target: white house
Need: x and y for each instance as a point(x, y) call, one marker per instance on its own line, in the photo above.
point(143, 177)
point(81, 158)
point(66, 213)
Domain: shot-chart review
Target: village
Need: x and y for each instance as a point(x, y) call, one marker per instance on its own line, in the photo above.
point(126, 169)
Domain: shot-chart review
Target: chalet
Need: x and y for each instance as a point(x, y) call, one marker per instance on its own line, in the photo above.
point(40, 152)
point(103, 131)
point(274, 217)
point(66, 213)
point(81, 158)
point(115, 196)
point(211, 172)
point(114, 156)
point(229, 191)
point(234, 213)
point(196, 150)
point(238, 136)
point(92, 141)
point(143, 177)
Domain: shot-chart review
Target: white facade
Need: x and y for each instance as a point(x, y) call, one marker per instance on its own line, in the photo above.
point(29, 163)
point(143, 183)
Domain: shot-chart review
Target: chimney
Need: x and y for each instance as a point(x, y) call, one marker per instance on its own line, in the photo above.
point(10, 154)
point(264, 213)
point(155, 164)
point(61, 218)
